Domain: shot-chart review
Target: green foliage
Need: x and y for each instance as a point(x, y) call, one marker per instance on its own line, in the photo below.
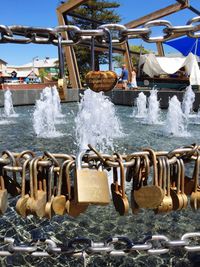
point(139, 49)
point(119, 59)
point(42, 73)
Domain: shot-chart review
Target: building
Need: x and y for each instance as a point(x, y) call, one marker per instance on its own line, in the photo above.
point(35, 71)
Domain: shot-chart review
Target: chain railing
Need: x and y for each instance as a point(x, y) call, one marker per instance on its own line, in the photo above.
point(113, 246)
point(41, 35)
point(58, 184)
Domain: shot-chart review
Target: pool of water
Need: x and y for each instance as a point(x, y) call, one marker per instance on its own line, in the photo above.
point(98, 223)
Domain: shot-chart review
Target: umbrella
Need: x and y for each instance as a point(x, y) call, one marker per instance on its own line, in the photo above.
point(186, 45)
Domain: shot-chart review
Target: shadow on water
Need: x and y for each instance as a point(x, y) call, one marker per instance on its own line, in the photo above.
point(97, 223)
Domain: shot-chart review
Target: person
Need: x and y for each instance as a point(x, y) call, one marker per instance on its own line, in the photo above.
point(133, 78)
point(124, 77)
point(1, 78)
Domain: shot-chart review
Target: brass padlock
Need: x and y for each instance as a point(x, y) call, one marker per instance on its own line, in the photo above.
point(150, 196)
point(59, 201)
point(132, 171)
point(120, 199)
point(49, 212)
point(99, 81)
point(177, 191)
point(184, 196)
point(166, 205)
point(22, 201)
point(3, 196)
point(136, 184)
point(73, 208)
point(90, 185)
point(38, 197)
point(195, 196)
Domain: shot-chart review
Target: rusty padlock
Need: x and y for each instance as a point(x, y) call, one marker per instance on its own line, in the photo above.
point(99, 81)
point(90, 185)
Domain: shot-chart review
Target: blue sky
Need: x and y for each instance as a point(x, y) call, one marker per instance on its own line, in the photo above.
point(42, 13)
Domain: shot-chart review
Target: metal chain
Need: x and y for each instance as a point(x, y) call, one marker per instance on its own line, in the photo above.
point(39, 35)
point(113, 246)
point(11, 160)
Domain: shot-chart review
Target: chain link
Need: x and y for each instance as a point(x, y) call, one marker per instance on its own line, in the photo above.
point(120, 33)
point(115, 246)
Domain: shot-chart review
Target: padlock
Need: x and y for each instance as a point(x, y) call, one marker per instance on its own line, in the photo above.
point(73, 208)
point(120, 199)
point(184, 196)
point(132, 171)
point(61, 74)
point(99, 81)
point(90, 185)
point(11, 184)
point(150, 196)
point(49, 212)
point(21, 205)
point(166, 205)
point(3, 196)
point(59, 201)
point(38, 197)
point(178, 196)
point(195, 196)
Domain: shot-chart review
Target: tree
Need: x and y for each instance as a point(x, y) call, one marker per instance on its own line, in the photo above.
point(119, 59)
point(97, 12)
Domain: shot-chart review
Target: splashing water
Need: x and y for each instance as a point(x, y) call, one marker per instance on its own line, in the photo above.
point(44, 116)
point(56, 103)
point(188, 100)
point(8, 105)
point(141, 103)
point(153, 111)
point(96, 122)
point(176, 122)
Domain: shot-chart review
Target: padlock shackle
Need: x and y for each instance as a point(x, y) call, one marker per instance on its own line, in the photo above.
point(110, 48)
point(107, 31)
point(92, 54)
point(61, 58)
point(79, 158)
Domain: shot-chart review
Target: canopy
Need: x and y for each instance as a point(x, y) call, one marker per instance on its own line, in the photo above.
point(186, 45)
point(154, 66)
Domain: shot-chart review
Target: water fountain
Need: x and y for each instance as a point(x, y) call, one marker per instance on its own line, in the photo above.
point(188, 100)
point(153, 112)
point(176, 122)
point(141, 103)
point(8, 105)
point(96, 122)
point(56, 103)
point(45, 114)
point(96, 222)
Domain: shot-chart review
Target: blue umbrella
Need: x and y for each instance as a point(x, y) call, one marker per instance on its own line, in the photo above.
point(186, 45)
